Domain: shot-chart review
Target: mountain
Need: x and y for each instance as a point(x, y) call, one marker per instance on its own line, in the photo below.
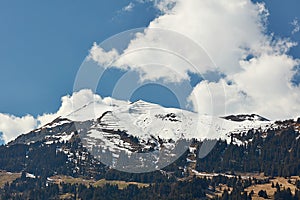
point(143, 135)
point(140, 136)
point(145, 142)
point(97, 121)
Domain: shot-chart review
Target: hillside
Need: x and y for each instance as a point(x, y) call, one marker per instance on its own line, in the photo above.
point(145, 143)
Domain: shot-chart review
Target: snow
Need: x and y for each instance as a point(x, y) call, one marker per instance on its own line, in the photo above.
point(149, 123)
point(59, 123)
point(237, 142)
point(211, 174)
point(108, 141)
point(28, 175)
point(95, 109)
point(189, 160)
point(192, 149)
point(49, 142)
point(66, 137)
point(59, 137)
point(145, 120)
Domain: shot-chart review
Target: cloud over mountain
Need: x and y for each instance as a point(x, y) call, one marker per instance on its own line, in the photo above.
point(228, 36)
point(256, 65)
point(12, 126)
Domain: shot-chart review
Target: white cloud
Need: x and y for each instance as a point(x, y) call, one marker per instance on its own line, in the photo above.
point(263, 87)
point(230, 32)
point(165, 6)
point(12, 126)
point(129, 7)
point(267, 80)
point(223, 28)
point(70, 104)
point(162, 5)
point(218, 98)
point(296, 26)
point(227, 30)
point(102, 57)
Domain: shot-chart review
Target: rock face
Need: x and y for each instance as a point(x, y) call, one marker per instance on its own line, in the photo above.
point(242, 117)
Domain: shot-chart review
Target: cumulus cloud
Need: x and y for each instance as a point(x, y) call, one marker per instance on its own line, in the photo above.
point(12, 126)
point(129, 7)
point(267, 79)
point(162, 5)
point(233, 34)
point(225, 31)
point(215, 98)
point(102, 57)
point(296, 26)
point(258, 89)
point(69, 104)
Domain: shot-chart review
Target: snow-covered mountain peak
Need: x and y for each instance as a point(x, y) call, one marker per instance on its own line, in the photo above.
point(145, 120)
point(103, 121)
point(110, 129)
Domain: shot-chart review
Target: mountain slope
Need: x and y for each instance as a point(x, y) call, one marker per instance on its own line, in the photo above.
point(141, 137)
point(146, 120)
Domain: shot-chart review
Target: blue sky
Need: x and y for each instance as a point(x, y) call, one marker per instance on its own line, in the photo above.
point(43, 44)
point(282, 13)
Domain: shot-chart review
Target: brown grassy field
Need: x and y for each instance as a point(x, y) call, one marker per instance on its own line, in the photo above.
point(283, 182)
point(67, 196)
point(121, 184)
point(8, 177)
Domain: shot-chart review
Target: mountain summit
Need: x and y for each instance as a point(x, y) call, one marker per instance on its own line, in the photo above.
point(141, 136)
point(142, 120)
